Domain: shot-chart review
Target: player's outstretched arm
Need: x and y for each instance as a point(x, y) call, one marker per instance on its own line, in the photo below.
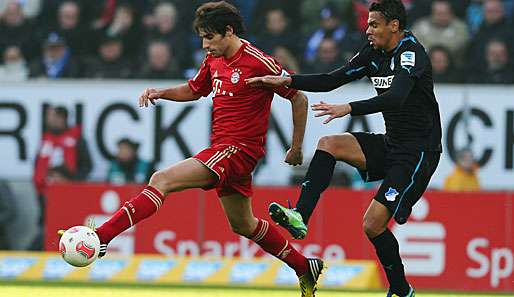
point(269, 81)
point(180, 93)
point(299, 105)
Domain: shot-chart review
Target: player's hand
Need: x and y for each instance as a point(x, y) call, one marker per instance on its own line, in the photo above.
point(149, 95)
point(332, 110)
point(268, 81)
point(294, 157)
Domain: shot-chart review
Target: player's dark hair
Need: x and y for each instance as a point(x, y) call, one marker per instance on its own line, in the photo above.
point(391, 10)
point(214, 17)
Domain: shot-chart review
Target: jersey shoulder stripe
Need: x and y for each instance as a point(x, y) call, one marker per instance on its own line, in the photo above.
point(267, 61)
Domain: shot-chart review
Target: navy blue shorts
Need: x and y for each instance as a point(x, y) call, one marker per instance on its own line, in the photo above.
point(405, 170)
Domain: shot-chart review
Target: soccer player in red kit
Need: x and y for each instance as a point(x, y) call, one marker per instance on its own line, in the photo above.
point(239, 125)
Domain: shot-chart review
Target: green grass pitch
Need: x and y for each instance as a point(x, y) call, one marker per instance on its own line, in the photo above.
point(83, 290)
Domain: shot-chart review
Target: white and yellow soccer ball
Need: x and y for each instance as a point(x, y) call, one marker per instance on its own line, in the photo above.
point(79, 246)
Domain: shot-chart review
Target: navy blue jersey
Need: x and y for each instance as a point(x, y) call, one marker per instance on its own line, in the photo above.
point(405, 90)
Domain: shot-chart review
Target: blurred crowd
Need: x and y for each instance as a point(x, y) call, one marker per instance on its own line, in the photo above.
point(469, 41)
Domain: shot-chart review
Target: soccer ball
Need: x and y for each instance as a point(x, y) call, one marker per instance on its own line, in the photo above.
point(79, 246)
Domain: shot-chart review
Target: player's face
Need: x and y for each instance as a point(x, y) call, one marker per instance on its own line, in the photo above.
point(379, 32)
point(214, 43)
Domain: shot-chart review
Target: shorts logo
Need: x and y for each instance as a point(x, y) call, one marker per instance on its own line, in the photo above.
point(381, 82)
point(408, 59)
point(391, 194)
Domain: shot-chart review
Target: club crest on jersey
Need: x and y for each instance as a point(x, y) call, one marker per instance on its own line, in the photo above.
point(382, 82)
point(391, 194)
point(408, 59)
point(236, 75)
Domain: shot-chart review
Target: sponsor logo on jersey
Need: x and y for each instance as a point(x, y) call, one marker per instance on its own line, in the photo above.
point(408, 59)
point(382, 82)
point(391, 194)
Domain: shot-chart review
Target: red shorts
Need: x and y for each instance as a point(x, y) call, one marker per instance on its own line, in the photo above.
point(232, 165)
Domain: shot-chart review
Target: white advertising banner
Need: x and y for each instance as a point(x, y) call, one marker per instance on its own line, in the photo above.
point(169, 132)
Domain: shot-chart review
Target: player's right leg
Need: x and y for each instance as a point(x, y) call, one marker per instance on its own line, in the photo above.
point(186, 174)
point(238, 210)
point(342, 147)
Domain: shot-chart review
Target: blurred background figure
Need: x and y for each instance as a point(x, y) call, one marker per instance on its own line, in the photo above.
point(56, 61)
point(16, 29)
point(63, 155)
point(443, 68)
point(127, 167)
point(278, 33)
point(497, 67)
point(332, 25)
point(443, 28)
point(164, 26)
point(286, 59)
point(14, 67)
point(464, 176)
point(160, 63)
point(110, 62)
point(126, 26)
point(327, 57)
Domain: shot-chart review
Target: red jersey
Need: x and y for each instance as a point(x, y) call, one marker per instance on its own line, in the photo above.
point(240, 112)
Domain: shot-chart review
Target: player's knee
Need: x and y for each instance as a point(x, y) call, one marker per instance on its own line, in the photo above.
point(372, 228)
point(327, 143)
point(162, 181)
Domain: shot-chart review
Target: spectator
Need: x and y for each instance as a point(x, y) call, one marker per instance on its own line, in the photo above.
point(327, 57)
point(464, 176)
point(57, 61)
point(77, 37)
point(347, 38)
point(498, 67)
point(126, 27)
point(165, 28)
point(110, 63)
point(62, 155)
point(443, 69)
point(286, 59)
point(442, 28)
point(16, 29)
point(160, 64)
point(14, 67)
point(278, 33)
point(30, 8)
point(127, 167)
point(494, 26)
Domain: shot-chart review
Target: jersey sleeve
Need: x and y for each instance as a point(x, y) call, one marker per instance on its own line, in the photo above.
point(270, 66)
point(201, 83)
point(413, 60)
point(356, 68)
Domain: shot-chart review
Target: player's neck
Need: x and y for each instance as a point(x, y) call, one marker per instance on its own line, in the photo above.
point(395, 40)
point(233, 47)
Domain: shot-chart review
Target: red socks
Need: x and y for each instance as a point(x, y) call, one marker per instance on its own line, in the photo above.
point(132, 212)
point(269, 238)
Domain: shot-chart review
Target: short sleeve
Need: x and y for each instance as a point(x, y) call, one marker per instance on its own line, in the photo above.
point(201, 83)
point(413, 60)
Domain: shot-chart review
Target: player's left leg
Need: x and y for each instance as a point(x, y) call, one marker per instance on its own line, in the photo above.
point(405, 182)
point(386, 246)
point(238, 210)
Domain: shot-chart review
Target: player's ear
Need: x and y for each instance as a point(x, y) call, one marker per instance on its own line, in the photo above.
point(229, 31)
point(394, 25)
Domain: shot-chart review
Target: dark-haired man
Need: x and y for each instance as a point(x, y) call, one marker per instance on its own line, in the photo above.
point(405, 157)
point(239, 125)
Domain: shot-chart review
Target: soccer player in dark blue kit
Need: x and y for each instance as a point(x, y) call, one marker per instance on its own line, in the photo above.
point(405, 157)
